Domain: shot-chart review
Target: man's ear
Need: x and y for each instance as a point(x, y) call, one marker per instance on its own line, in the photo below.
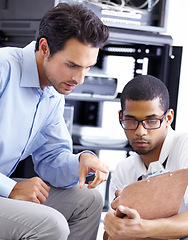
point(43, 47)
point(169, 117)
point(120, 114)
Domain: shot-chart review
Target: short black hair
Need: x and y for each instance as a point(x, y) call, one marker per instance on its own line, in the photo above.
point(65, 21)
point(145, 88)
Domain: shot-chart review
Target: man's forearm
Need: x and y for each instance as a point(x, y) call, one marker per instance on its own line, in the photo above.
point(168, 228)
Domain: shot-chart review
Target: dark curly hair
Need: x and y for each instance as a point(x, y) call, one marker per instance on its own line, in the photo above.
point(66, 21)
point(144, 88)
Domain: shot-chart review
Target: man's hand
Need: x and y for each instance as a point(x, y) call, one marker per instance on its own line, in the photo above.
point(90, 163)
point(33, 190)
point(130, 226)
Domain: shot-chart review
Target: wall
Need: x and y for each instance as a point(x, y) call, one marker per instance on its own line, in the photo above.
point(177, 28)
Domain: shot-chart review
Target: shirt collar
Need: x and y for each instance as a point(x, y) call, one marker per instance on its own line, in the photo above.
point(29, 76)
point(51, 91)
point(140, 166)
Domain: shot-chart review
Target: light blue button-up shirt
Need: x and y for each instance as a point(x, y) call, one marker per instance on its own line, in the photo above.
point(31, 122)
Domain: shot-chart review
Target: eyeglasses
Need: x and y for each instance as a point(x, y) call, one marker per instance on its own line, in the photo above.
point(150, 124)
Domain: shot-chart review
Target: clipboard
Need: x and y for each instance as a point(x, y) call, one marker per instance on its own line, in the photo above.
point(155, 197)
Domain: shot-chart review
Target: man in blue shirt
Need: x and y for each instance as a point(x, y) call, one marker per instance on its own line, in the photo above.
point(33, 82)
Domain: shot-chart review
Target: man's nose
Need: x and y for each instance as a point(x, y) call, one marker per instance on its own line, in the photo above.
point(79, 77)
point(140, 131)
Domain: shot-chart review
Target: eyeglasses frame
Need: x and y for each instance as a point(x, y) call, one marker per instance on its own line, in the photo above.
point(141, 121)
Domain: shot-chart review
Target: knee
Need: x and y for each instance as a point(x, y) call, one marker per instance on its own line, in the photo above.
point(98, 198)
point(95, 200)
point(55, 224)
